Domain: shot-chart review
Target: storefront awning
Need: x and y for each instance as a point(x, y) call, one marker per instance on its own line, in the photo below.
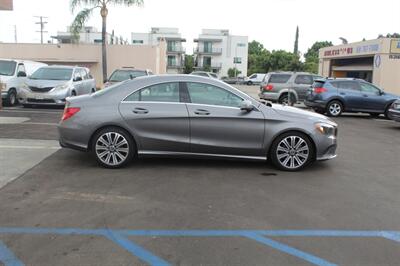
point(353, 68)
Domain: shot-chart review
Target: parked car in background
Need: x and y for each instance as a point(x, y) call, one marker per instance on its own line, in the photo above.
point(205, 74)
point(233, 80)
point(51, 85)
point(286, 87)
point(255, 79)
point(187, 115)
point(334, 96)
point(394, 111)
point(13, 74)
point(126, 73)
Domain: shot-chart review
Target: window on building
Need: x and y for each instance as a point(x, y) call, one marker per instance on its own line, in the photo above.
point(171, 46)
point(202, 93)
point(241, 45)
point(207, 47)
point(137, 41)
point(237, 60)
point(171, 60)
point(165, 92)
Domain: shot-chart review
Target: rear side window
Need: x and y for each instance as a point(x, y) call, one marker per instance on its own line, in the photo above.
point(318, 84)
point(348, 85)
point(165, 92)
point(304, 79)
point(279, 78)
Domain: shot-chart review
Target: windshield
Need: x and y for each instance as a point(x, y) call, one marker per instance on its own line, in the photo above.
point(47, 73)
point(121, 75)
point(7, 68)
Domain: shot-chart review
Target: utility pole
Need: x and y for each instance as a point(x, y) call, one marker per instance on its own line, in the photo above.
point(15, 33)
point(41, 23)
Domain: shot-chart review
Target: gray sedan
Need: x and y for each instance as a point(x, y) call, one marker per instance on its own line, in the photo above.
point(186, 115)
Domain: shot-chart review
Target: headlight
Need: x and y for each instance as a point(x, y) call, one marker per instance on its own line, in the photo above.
point(61, 87)
point(326, 129)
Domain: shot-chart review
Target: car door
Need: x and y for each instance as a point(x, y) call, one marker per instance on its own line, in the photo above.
point(373, 99)
point(349, 91)
point(86, 86)
point(302, 84)
point(218, 126)
point(157, 118)
point(21, 75)
point(77, 82)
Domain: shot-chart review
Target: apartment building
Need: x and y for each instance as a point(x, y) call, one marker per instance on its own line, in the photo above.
point(175, 52)
point(88, 35)
point(218, 51)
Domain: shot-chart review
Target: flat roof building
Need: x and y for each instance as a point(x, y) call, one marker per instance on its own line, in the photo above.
point(218, 51)
point(376, 61)
point(175, 53)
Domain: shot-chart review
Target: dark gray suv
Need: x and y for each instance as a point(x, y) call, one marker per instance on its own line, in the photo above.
point(286, 87)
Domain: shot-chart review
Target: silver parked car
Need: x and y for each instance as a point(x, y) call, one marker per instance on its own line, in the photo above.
point(192, 116)
point(51, 85)
point(286, 87)
point(126, 73)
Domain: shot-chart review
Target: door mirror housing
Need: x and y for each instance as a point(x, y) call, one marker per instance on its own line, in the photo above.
point(247, 106)
point(381, 92)
point(77, 79)
point(21, 74)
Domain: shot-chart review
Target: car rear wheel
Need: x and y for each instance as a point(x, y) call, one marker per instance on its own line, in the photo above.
point(284, 99)
point(249, 83)
point(334, 108)
point(292, 151)
point(113, 147)
point(12, 97)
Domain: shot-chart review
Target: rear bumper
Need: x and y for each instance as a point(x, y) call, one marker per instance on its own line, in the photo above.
point(394, 115)
point(272, 96)
point(315, 104)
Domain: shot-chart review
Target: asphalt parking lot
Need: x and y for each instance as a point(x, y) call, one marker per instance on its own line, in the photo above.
point(57, 207)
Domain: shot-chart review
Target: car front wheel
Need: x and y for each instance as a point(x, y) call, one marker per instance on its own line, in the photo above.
point(292, 151)
point(113, 147)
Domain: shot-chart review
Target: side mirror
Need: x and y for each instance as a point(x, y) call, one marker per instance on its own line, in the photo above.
point(247, 106)
point(381, 92)
point(21, 74)
point(77, 79)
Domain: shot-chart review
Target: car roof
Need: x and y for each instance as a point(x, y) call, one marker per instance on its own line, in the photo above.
point(290, 72)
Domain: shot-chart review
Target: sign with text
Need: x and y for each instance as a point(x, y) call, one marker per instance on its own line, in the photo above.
point(6, 4)
point(353, 50)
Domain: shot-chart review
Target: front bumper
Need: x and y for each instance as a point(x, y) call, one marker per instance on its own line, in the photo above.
point(394, 114)
point(56, 98)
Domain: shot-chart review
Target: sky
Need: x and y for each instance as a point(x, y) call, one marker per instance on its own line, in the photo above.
point(271, 22)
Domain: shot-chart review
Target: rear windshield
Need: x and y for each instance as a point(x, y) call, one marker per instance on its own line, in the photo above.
point(48, 73)
point(318, 84)
point(279, 78)
point(121, 75)
point(7, 68)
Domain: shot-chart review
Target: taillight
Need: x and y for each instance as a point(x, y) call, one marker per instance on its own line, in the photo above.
point(268, 87)
point(320, 90)
point(69, 112)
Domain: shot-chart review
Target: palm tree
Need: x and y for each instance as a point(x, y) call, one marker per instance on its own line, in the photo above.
point(85, 13)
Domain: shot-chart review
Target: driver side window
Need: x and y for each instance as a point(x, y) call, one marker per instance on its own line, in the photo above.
point(201, 93)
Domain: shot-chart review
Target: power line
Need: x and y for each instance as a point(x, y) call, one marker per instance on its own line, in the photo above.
point(41, 22)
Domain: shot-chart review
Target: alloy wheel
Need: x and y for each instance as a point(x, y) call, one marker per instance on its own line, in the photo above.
point(292, 152)
point(335, 109)
point(112, 148)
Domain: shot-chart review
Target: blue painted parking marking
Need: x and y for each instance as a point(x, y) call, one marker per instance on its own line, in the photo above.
point(7, 257)
point(120, 237)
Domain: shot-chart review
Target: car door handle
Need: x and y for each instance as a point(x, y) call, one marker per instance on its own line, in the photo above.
point(201, 112)
point(140, 111)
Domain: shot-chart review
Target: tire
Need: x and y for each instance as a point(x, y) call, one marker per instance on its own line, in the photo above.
point(374, 115)
point(292, 151)
point(387, 112)
point(73, 93)
point(334, 108)
point(284, 99)
point(12, 97)
point(93, 91)
point(110, 155)
point(249, 83)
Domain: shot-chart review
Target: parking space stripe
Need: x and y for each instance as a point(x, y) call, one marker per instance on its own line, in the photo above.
point(290, 250)
point(392, 236)
point(7, 257)
point(136, 250)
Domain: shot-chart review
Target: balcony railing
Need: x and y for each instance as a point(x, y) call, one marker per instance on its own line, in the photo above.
point(212, 66)
point(175, 65)
point(175, 49)
point(205, 50)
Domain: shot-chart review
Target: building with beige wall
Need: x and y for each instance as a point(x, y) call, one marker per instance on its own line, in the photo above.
point(377, 61)
point(89, 55)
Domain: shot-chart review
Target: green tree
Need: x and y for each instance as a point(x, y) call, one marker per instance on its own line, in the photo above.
point(189, 63)
point(233, 72)
point(85, 14)
point(296, 42)
point(312, 56)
